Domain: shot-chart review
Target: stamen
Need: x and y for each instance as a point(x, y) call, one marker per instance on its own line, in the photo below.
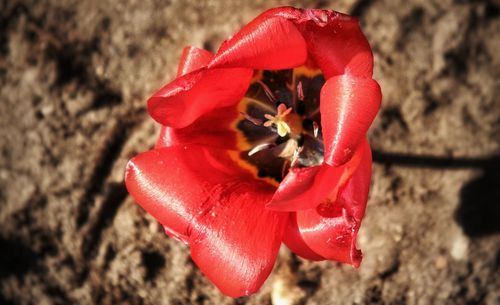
point(260, 147)
point(287, 149)
point(295, 157)
point(270, 120)
point(300, 91)
point(315, 129)
point(268, 92)
point(252, 119)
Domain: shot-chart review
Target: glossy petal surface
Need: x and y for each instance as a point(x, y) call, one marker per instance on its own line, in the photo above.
point(331, 229)
point(297, 190)
point(294, 241)
point(339, 47)
point(167, 138)
point(236, 244)
point(348, 106)
point(181, 102)
point(269, 43)
point(204, 199)
point(193, 58)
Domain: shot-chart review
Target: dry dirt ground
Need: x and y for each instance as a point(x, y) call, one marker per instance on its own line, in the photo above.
point(74, 78)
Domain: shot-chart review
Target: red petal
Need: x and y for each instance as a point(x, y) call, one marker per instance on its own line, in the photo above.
point(306, 188)
point(348, 106)
point(202, 197)
point(185, 99)
point(296, 190)
point(237, 241)
point(166, 181)
point(166, 138)
point(339, 48)
point(334, 40)
point(293, 240)
point(193, 58)
point(331, 229)
point(213, 129)
point(268, 43)
point(177, 236)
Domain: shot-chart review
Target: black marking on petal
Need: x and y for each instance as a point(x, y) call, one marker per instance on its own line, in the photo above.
point(255, 134)
point(252, 119)
point(268, 92)
point(312, 88)
point(312, 152)
point(279, 82)
point(258, 110)
point(256, 92)
point(268, 165)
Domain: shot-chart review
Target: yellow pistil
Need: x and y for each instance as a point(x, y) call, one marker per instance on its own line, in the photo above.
point(283, 128)
point(279, 120)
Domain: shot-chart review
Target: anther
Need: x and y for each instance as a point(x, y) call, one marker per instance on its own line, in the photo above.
point(300, 91)
point(260, 147)
point(251, 119)
point(315, 129)
point(268, 91)
point(295, 157)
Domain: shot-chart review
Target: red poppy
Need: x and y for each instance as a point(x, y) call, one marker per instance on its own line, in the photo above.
point(262, 143)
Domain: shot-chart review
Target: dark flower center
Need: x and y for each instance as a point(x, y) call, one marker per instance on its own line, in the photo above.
point(280, 126)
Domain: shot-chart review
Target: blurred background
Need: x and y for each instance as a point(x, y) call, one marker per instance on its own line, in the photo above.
point(74, 79)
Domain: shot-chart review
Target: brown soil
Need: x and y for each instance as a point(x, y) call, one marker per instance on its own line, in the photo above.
point(74, 78)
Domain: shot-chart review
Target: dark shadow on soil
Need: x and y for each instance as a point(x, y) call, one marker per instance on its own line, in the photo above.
point(153, 261)
point(16, 258)
point(5, 301)
point(428, 161)
point(479, 210)
point(114, 196)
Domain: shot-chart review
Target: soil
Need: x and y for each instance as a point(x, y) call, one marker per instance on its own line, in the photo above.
point(74, 78)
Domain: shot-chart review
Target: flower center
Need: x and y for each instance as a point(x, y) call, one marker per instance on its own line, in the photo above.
point(280, 123)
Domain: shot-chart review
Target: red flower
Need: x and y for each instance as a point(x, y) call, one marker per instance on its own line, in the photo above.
point(263, 143)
